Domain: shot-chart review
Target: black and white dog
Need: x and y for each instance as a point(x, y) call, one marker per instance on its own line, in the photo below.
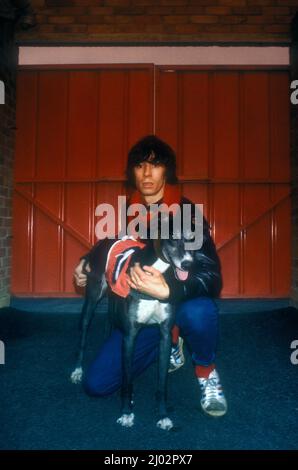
point(138, 311)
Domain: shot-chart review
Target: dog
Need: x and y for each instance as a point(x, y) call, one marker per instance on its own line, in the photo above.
point(138, 311)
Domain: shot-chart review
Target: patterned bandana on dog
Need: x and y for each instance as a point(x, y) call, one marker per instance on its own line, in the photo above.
point(117, 263)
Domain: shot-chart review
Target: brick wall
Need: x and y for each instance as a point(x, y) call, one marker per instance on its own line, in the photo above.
point(294, 164)
point(7, 137)
point(161, 20)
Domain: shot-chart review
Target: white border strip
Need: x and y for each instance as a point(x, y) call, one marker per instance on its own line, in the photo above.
point(164, 55)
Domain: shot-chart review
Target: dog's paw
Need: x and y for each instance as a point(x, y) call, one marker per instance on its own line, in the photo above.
point(76, 376)
point(165, 424)
point(126, 420)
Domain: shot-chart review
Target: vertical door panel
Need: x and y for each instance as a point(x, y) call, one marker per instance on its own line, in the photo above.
point(140, 109)
point(255, 115)
point(226, 222)
point(26, 124)
point(198, 193)
point(108, 194)
point(257, 242)
point(82, 125)
point(194, 123)
point(282, 242)
point(230, 269)
point(49, 196)
point(183, 119)
point(279, 126)
point(52, 125)
point(46, 259)
point(112, 116)
point(78, 208)
point(167, 110)
point(21, 242)
point(225, 138)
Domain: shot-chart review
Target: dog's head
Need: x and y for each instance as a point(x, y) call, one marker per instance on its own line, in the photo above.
point(174, 253)
point(180, 247)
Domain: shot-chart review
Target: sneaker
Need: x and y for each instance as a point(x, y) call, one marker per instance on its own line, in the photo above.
point(213, 401)
point(177, 357)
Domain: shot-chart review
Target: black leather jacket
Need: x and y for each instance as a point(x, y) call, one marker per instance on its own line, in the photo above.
point(204, 278)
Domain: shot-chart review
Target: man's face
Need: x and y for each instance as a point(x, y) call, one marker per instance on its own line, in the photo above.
point(150, 178)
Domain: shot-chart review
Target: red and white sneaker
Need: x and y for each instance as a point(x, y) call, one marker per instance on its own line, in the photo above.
point(213, 401)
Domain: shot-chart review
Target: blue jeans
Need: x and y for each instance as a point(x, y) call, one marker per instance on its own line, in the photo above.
point(198, 322)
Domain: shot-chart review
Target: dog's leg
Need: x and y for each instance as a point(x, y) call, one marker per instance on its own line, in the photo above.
point(129, 338)
point(164, 421)
point(95, 290)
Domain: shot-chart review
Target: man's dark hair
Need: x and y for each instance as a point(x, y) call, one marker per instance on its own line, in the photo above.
point(151, 148)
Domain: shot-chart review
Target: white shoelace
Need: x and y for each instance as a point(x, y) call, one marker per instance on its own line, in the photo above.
point(211, 387)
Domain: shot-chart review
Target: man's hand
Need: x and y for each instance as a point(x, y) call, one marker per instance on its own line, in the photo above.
point(79, 277)
point(148, 281)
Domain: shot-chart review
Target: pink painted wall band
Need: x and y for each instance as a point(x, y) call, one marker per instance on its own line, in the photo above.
point(163, 55)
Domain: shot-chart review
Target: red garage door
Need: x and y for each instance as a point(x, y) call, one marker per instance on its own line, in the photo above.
point(231, 133)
